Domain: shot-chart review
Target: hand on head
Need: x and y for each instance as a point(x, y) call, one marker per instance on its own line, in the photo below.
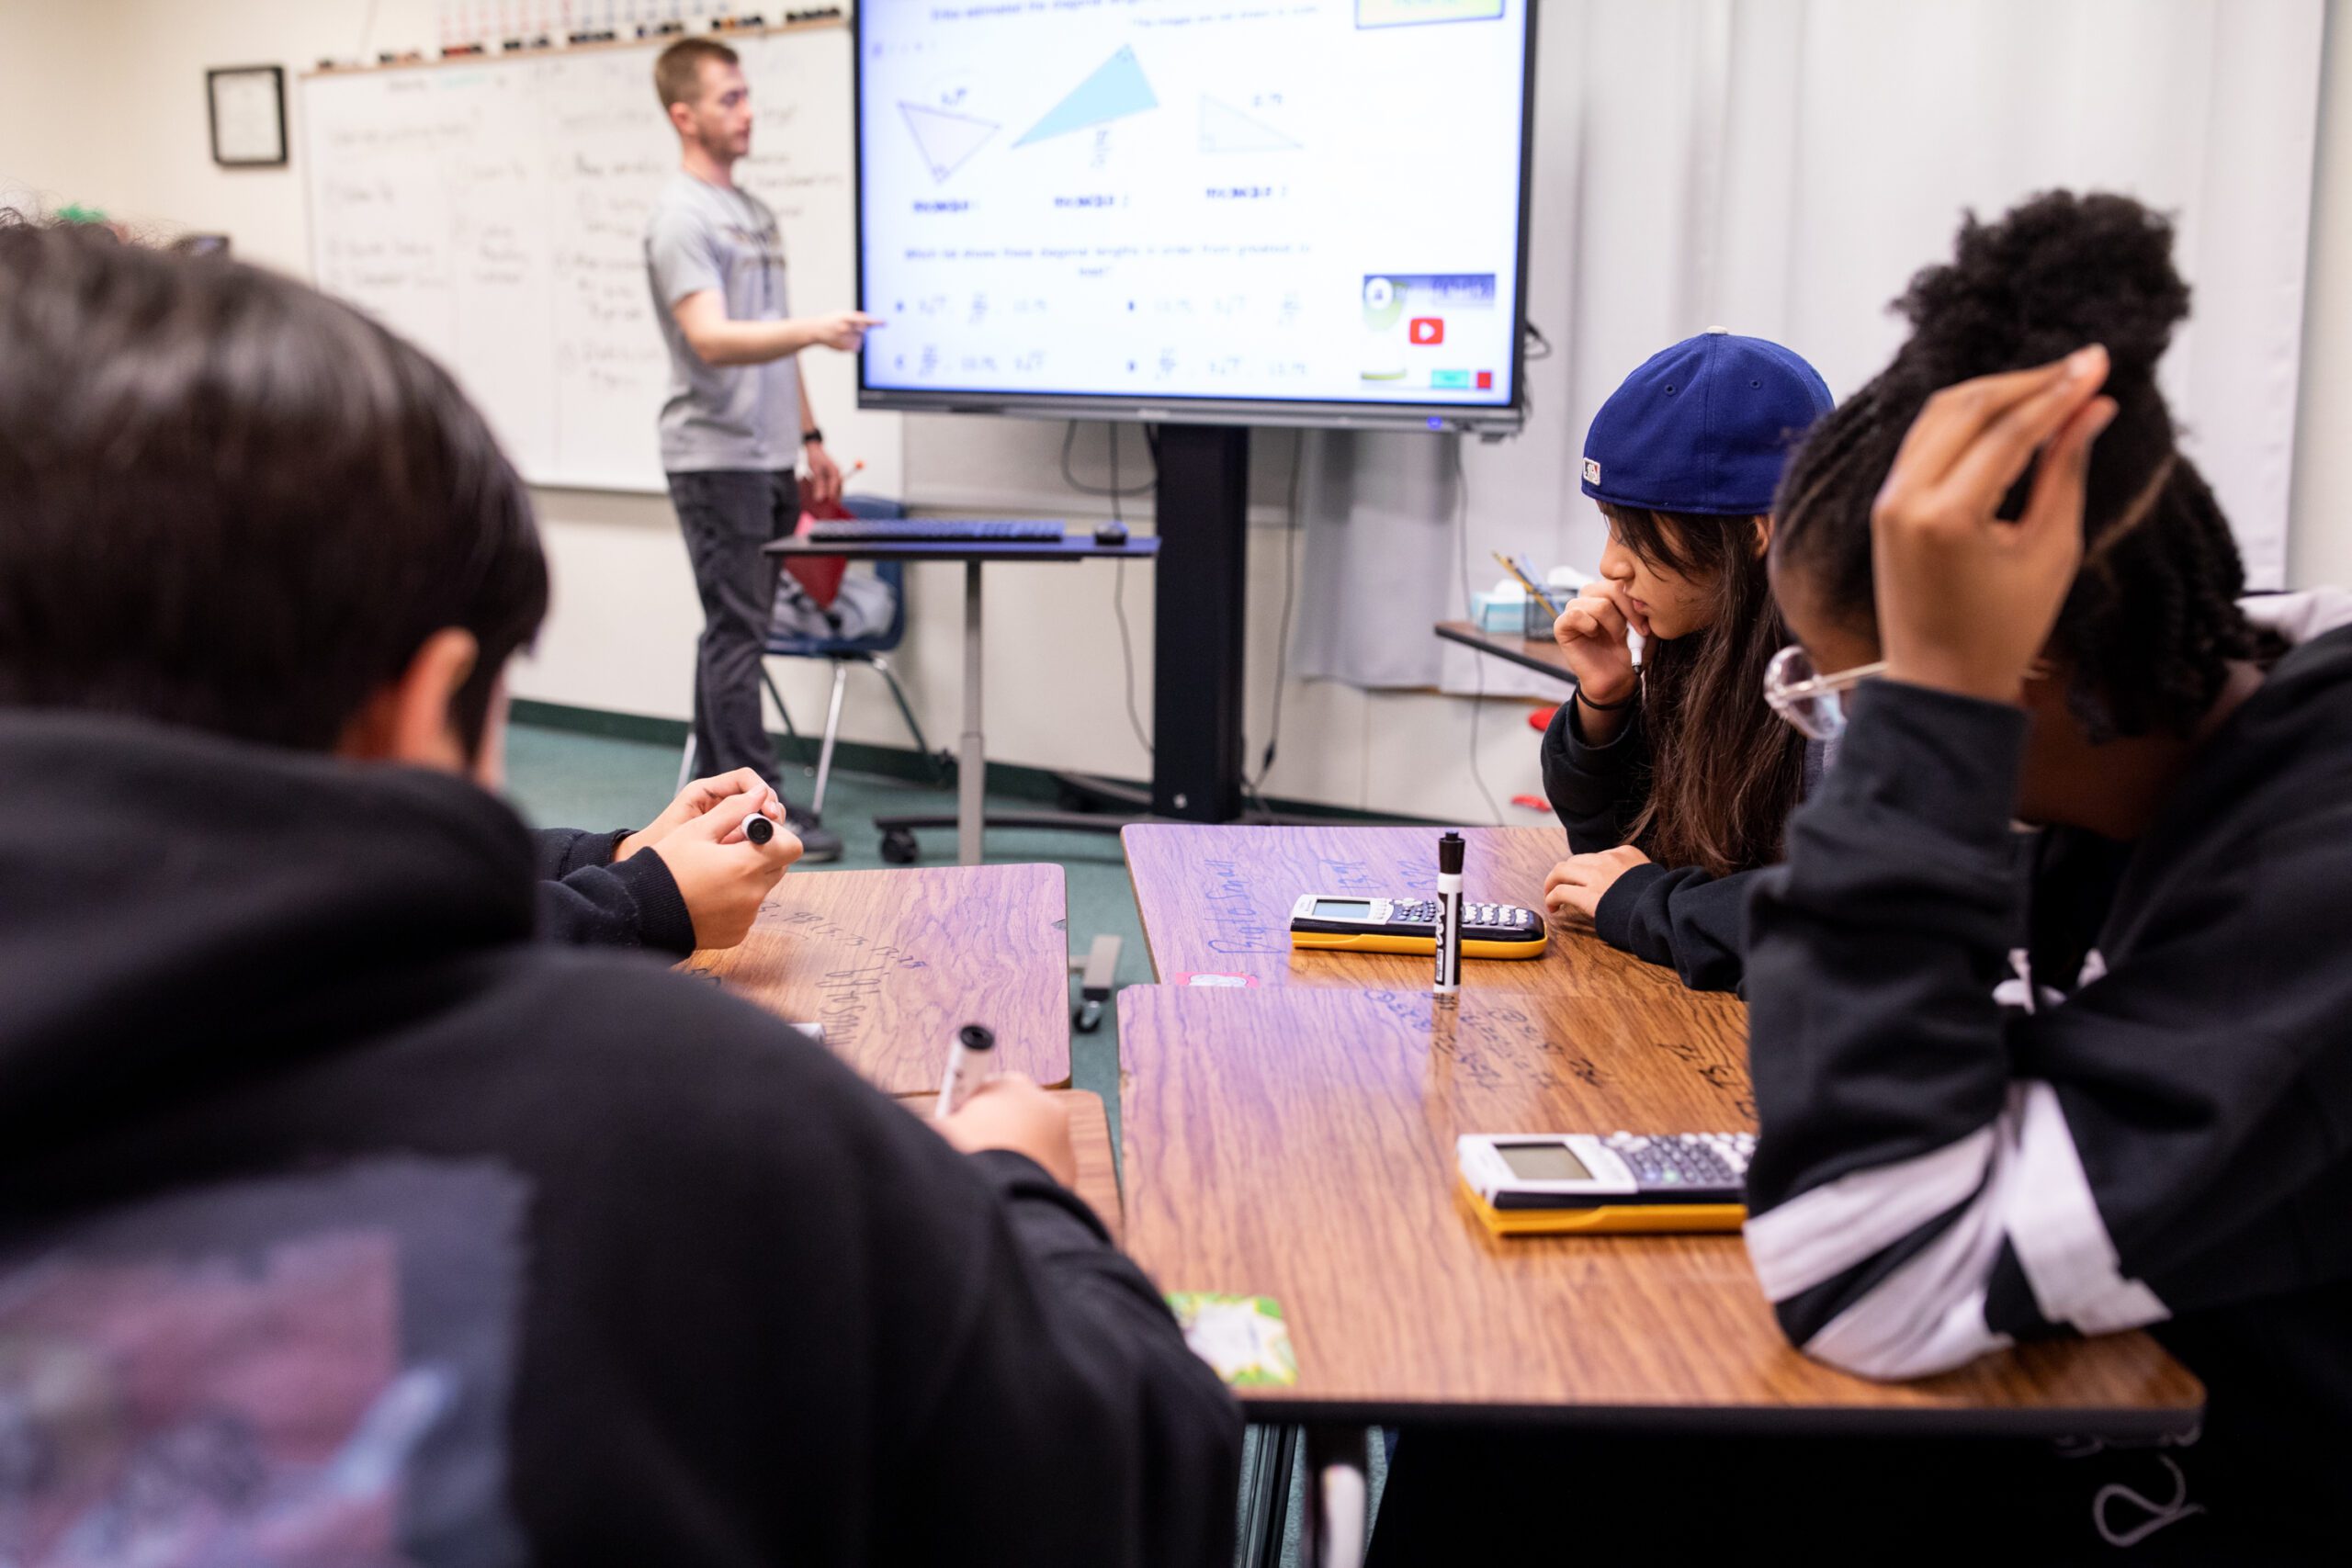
point(1966, 601)
point(1012, 1112)
point(722, 875)
point(1580, 882)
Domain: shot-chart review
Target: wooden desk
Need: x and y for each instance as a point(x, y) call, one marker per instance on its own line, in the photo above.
point(1090, 1134)
point(1298, 1143)
point(1218, 899)
point(893, 961)
point(1539, 654)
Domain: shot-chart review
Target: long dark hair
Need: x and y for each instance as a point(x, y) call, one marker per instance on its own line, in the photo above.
point(1725, 770)
point(2152, 621)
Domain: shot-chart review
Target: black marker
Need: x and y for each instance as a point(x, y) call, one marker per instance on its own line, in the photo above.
point(759, 828)
point(968, 1060)
point(1449, 915)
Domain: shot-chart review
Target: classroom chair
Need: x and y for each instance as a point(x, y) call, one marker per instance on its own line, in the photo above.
point(842, 653)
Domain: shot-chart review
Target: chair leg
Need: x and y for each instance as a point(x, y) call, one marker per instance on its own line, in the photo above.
point(833, 733)
point(777, 697)
point(906, 711)
point(686, 762)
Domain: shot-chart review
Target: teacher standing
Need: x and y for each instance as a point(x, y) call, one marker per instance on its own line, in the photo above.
point(737, 423)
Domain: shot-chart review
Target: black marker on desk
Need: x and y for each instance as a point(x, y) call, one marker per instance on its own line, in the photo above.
point(1449, 915)
point(968, 1061)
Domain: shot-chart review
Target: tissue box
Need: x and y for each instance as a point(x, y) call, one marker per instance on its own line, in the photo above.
point(1511, 614)
point(1500, 615)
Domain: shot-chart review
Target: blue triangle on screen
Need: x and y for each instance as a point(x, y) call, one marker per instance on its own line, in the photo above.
point(1116, 89)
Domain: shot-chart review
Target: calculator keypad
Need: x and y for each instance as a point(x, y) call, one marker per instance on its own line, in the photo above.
point(1493, 917)
point(1685, 1159)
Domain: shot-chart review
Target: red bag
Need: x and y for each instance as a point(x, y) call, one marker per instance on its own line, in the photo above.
point(818, 576)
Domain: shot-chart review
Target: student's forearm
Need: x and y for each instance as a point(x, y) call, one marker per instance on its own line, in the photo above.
point(731, 343)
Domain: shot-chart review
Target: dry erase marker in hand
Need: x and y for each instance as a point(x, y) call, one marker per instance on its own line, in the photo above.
point(1449, 915)
point(759, 828)
point(968, 1061)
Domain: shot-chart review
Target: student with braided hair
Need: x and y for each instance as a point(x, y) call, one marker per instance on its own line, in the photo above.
point(2101, 1086)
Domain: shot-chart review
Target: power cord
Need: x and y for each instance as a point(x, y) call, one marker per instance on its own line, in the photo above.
point(1118, 581)
point(1477, 661)
point(1069, 477)
point(1254, 787)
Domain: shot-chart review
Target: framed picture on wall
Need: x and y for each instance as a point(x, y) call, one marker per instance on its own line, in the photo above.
point(248, 105)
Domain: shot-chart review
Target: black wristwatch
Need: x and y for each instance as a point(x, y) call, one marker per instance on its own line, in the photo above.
point(812, 437)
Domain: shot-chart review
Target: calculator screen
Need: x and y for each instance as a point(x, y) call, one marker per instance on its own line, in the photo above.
point(1543, 1162)
point(1342, 908)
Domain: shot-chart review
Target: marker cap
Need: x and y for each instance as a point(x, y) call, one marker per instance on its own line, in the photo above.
point(1449, 854)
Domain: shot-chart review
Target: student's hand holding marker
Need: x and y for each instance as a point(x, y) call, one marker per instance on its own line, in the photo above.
point(1593, 632)
point(1580, 882)
point(1013, 1112)
point(723, 875)
point(1967, 601)
point(697, 798)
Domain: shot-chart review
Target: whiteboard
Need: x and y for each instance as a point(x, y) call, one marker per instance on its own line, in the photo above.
point(493, 212)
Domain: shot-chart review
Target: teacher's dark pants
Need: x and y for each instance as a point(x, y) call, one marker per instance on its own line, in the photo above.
point(727, 514)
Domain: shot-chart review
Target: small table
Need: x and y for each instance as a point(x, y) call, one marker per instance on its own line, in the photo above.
point(1539, 654)
point(971, 770)
point(1090, 1135)
point(1299, 1144)
point(892, 963)
point(1216, 899)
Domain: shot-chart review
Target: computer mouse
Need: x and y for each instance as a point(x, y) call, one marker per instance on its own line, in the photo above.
point(1113, 533)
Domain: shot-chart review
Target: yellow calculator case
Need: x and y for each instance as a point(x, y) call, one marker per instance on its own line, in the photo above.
point(1351, 922)
point(1621, 1184)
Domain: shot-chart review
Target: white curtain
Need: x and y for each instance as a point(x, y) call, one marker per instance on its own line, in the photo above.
point(1781, 167)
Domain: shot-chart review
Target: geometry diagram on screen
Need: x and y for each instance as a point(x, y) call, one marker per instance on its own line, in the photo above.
point(1116, 90)
point(1224, 128)
point(946, 140)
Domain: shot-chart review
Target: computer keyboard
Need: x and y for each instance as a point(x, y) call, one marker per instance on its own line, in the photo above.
point(927, 530)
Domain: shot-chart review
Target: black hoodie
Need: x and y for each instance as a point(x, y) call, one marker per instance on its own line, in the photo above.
point(2117, 1093)
point(339, 1213)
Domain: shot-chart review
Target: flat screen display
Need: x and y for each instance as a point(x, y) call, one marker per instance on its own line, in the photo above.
point(1301, 211)
point(1543, 1162)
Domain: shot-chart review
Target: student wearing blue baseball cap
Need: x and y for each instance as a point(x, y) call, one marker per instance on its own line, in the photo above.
point(1673, 777)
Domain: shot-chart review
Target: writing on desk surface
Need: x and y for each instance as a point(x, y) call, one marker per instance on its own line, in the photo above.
point(1233, 912)
point(809, 924)
point(1491, 1045)
point(849, 996)
point(1730, 1078)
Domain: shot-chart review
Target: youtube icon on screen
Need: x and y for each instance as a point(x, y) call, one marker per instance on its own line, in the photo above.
point(1429, 329)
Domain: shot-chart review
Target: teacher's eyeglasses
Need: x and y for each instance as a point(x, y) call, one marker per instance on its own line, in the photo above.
point(1813, 704)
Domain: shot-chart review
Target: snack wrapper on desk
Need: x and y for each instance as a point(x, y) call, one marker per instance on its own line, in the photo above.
point(1243, 1338)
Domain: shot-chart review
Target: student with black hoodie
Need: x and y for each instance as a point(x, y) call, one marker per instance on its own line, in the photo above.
point(2103, 1087)
point(656, 888)
point(339, 1220)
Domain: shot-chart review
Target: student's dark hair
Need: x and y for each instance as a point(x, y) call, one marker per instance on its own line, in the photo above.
point(1725, 770)
point(2152, 618)
point(229, 503)
point(677, 69)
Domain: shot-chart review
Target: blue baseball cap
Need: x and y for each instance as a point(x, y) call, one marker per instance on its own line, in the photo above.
point(1704, 427)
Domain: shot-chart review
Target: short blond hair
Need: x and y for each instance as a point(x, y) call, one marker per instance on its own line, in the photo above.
point(677, 71)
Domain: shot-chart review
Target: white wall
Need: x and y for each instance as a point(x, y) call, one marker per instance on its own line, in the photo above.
point(133, 140)
point(2320, 546)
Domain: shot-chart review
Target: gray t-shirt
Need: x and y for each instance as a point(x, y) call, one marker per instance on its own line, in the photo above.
point(745, 416)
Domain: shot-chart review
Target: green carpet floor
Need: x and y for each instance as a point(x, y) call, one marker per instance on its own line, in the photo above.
point(561, 779)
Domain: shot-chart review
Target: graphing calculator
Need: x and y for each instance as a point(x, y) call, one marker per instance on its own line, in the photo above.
point(1353, 923)
point(1525, 1183)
